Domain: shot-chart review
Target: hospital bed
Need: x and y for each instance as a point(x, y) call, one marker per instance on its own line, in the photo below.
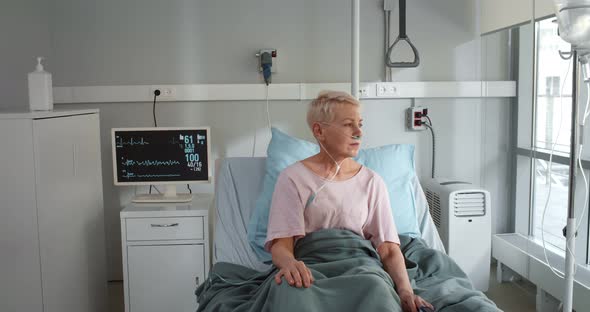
point(238, 183)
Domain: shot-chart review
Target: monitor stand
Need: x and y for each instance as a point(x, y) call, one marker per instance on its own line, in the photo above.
point(169, 196)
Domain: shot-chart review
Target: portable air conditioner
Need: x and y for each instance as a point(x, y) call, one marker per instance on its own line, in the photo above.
point(462, 215)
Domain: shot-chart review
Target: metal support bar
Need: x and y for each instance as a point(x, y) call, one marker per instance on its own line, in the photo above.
point(570, 259)
point(557, 159)
point(355, 48)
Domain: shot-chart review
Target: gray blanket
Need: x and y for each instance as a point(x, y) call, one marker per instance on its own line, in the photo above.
point(348, 277)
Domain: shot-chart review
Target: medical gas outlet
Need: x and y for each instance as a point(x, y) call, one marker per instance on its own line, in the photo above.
point(273, 57)
point(416, 117)
point(267, 64)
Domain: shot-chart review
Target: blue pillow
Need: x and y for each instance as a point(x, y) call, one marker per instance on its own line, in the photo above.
point(394, 163)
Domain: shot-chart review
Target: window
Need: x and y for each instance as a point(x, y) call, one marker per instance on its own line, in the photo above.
point(556, 214)
point(553, 111)
point(552, 107)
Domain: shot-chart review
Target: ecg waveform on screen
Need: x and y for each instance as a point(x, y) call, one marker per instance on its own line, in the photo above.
point(128, 175)
point(131, 141)
point(150, 163)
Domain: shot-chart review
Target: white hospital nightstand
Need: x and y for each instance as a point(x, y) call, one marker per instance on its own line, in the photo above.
point(165, 254)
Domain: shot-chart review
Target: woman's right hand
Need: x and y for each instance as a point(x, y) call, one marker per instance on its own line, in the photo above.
point(296, 273)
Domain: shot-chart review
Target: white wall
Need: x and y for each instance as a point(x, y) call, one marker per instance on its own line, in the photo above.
point(214, 41)
point(114, 42)
point(24, 33)
point(496, 132)
point(501, 14)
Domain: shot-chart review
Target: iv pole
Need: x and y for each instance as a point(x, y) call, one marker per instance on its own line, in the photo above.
point(572, 18)
point(570, 260)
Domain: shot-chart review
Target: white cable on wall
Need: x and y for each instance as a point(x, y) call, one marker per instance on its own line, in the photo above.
point(254, 143)
point(582, 124)
point(585, 207)
point(267, 119)
point(268, 110)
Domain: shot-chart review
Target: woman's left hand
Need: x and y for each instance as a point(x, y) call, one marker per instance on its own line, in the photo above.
point(411, 302)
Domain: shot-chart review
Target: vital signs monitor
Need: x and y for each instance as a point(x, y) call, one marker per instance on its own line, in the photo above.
point(169, 156)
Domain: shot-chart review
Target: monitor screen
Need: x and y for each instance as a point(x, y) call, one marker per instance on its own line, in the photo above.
point(160, 155)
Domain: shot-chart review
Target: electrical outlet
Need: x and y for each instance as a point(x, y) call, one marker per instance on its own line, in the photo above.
point(275, 59)
point(167, 93)
point(415, 119)
point(386, 89)
point(363, 92)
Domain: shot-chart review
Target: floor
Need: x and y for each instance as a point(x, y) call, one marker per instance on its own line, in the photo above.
point(116, 303)
point(512, 296)
point(517, 296)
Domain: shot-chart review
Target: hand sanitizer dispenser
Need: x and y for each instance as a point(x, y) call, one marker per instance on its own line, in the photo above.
point(40, 89)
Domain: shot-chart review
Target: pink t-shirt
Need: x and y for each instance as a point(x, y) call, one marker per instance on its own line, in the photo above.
point(360, 204)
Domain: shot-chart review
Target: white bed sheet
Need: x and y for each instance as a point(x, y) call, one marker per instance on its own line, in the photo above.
point(238, 183)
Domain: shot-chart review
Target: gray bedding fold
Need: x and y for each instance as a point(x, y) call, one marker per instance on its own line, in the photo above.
point(348, 277)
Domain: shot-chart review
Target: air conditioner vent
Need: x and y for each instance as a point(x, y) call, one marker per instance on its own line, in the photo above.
point(469, 204)
point(434, 205)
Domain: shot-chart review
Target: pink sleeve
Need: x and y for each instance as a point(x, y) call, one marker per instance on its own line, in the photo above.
point(380, 226)
point(286, 212)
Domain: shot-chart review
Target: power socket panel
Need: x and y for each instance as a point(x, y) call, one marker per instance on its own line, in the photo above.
point(167, 93)
point(415, 119)
point(386, 89)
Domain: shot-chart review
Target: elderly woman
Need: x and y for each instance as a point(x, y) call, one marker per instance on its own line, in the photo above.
point(331, 191)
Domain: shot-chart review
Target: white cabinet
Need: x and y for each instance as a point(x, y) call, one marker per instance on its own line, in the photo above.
point(163, 278)
point(165, 254)
point(52, 242)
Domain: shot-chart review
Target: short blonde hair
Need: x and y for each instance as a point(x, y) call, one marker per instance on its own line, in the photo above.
point(321, 108)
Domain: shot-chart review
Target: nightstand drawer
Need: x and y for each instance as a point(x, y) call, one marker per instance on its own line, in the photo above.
point(165, 228)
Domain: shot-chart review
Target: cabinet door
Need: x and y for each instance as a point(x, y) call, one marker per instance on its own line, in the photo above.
point(20, 279)
point(163, 277)
point(87, 161)
point(70, 213)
